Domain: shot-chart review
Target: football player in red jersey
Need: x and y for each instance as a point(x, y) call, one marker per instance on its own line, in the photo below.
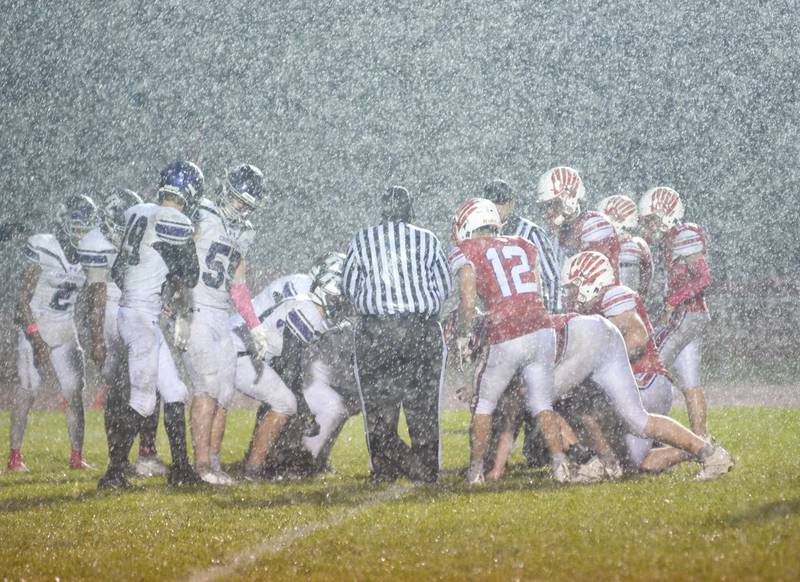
point(588, 277)
point(635, 258)
point(685, 313)
point(560, 191)
point(502, 272)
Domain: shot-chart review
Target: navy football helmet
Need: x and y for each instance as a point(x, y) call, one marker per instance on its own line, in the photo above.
point(77, 215)
point(183, 182)
point(241, 192)
point(112, 212)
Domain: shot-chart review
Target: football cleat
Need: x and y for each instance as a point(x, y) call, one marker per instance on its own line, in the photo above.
point(113, 480)
point(215, 477)
point(78, 463)
point(475, 477)
point(149, 467)
point(15, 462)
point(590, 472)
point(715, 464)
point(183, 475)
point(613, 469)
point(561, 471)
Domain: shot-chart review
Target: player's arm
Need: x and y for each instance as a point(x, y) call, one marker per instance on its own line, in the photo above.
point(28, 282)
point(645, 268)
point(468, 297)
point(634, 331)
point(96, 294)
point(699, 280)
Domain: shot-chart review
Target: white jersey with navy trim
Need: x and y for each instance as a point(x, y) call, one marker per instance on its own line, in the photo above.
point(59, 281)
point(300, 315)
point(145, 270)
point(97, 254)
point(280, 289)
point(220, 249)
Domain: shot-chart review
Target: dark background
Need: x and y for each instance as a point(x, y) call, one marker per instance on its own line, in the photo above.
point(335, 100)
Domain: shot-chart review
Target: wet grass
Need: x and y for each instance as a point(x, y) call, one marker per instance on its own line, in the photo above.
point(747, 525)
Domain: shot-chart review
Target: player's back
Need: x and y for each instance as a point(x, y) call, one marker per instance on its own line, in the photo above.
point(507, 284)
point(221, 247)
point(593, 231)
point(60, 279)
point(150, 232)
point(274, 293)
point(681, 242)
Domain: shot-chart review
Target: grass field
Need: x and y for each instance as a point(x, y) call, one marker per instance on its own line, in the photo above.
point(55, 525)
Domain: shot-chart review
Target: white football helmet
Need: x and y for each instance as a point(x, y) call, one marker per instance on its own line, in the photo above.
point(474, 214)
point(112, 212)
point(620, 210)
point(561, 183)
point(590, 272)
point(77, 215)
point(663, 203)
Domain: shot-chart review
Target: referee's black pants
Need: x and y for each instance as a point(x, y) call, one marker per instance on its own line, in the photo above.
point(400, 362)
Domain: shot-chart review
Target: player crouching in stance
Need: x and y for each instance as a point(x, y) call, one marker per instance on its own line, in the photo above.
point(685, 313)
point(223, 235)
point(276, 378)
point(502, 273)
point(48, 338)
point(589, 279)
point(157, 250)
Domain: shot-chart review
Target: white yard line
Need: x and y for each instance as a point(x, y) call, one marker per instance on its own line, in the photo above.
point(280, 543)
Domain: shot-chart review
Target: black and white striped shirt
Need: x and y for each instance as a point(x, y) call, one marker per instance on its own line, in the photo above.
point(548, 262)
point(396, 268)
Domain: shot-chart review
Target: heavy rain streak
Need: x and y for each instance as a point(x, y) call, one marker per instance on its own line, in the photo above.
point(334, 338)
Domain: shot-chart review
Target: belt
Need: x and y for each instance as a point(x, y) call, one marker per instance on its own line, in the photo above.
point(400, 316)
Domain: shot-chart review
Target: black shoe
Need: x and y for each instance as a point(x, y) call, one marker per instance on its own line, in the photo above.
point(185, 475)
point(113, 480)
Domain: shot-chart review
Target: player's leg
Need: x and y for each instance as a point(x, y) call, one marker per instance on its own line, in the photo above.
point(30, 382)
point(270, 388)
point(687, 369)
point(140, 336)
point(615, 378)
point(68, 365)
point(502, 363)
point(224, 401)
point(174, 393)
point(328, 407)
point(147, 463)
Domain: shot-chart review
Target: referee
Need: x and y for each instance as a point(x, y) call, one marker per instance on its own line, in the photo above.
point(397, 277)
point(499, 192)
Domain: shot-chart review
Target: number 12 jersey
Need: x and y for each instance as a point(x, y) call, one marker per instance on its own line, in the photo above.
point(507, 280)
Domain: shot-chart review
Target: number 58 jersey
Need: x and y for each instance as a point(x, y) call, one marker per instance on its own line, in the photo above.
point(507, 279)
point(220, 249)
point(157, 241)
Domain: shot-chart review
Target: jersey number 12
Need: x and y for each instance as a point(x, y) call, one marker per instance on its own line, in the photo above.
point(521, 268)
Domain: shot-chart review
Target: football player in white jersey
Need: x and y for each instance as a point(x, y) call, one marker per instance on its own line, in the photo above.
point(685, 314)
point(223, 236)
point(277, 379)
point(48, 338)
point(98, 250)
point(157, 250)
point(635, 258)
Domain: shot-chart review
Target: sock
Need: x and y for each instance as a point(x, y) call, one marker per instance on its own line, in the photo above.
point(175, 424)
point(124, 424)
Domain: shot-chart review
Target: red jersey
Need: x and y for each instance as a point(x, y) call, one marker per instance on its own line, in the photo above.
point(507, 283)
point(616, 300)
point(686, 283)
point(592, 231)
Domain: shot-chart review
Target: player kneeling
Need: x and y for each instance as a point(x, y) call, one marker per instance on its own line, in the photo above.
point(501, 271)
point(589, 278)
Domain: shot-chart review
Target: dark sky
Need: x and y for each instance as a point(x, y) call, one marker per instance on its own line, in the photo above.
point(337, 100)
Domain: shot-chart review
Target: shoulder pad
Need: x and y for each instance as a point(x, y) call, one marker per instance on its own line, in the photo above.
point(95, 250)
point(687, 239)
point(172, 226)
point(616, 300)
point(593, 227)
point(245, 239)
point(43, 247)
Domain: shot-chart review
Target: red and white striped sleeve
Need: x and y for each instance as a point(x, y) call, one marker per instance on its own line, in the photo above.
point(617, 300)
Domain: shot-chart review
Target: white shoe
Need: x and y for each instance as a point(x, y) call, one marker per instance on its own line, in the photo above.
point(716, 464)
point(224, 478)
point(561, 472)
point(475, 477)
point(149, 467)
point(590, 472)
point(211, 477)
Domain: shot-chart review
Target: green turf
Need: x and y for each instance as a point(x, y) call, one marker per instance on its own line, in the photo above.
point(744, 526)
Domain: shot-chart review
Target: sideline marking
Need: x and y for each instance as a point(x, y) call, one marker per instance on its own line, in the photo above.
point(283, 541)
